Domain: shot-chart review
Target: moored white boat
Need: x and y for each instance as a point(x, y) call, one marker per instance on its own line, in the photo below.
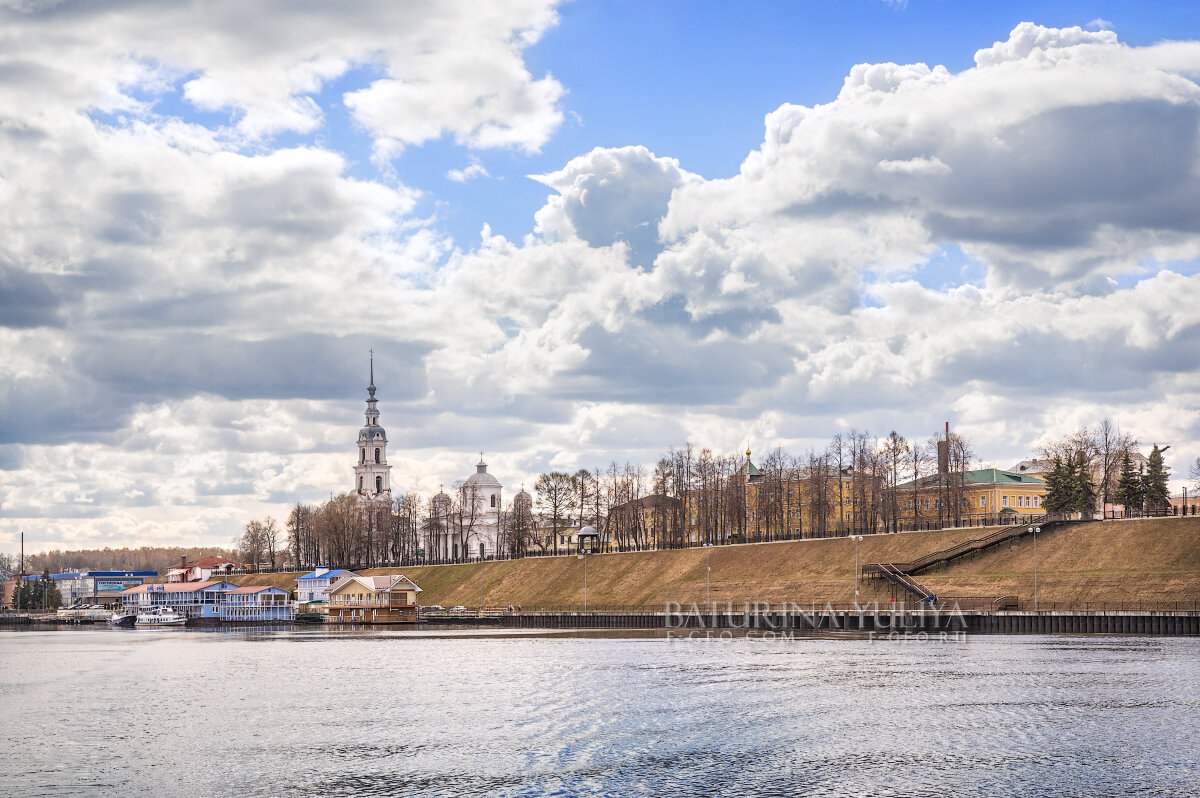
point(161, 616)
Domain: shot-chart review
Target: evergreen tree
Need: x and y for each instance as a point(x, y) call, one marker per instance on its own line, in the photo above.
point(1156, 480)
point(32, 595)
point(1058, 498)
point(1083, 490)
point(1129, 486)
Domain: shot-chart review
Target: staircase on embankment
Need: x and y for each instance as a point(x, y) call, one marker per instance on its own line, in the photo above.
point(897, 577)
point(900, 574)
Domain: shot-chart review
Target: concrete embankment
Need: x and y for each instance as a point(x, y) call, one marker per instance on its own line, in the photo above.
point(1152, 563)
point(867, 620)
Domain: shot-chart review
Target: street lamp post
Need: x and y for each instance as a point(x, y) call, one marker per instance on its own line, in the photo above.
point(708, 578)
point(1035, 530)
point(856, 538)
point(585, 583)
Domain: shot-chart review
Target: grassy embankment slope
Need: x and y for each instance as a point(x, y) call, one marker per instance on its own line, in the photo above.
point(1156, 560)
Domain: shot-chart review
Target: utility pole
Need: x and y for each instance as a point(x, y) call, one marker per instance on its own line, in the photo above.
point(856, 539)
point(1036, 529)
point(708, 578)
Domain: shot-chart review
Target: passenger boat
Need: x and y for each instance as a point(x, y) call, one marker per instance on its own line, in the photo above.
point(161, 616)
point(123, 618)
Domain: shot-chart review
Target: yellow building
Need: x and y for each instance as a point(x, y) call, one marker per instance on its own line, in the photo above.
point(754, 507)
point(373, 599)
point(983, 497)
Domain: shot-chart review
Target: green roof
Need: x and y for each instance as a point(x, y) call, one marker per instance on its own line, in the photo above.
point(982, 476)
point(750, 469)
point(992, 476)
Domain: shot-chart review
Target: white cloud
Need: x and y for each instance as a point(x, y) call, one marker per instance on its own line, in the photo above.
point(185, 314)
point(454, 67)
point(470, 172)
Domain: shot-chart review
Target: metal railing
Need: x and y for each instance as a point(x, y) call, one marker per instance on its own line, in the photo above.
point(967, 547)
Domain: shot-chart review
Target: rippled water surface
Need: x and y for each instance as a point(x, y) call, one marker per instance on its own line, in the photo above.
point(316, 712)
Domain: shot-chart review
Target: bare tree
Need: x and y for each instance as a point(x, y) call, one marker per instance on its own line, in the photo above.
point(1111, 447)
point(819, 472)
point(895, 453)
point(838, 452)
point(251, 544)
point(468, 515)
point(555, 498)
point(272, 537)
point(304, 544)
point(960, 460)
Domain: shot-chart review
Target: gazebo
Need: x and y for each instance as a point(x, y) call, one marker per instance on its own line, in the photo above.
point(589, 540)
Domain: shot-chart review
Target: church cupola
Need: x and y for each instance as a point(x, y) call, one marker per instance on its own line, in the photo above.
point(371, 472)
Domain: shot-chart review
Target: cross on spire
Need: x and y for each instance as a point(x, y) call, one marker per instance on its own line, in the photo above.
point(371, 387)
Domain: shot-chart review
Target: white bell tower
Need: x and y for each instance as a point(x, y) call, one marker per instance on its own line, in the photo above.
point(371, 477)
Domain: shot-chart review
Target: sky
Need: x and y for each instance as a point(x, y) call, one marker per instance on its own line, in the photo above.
point(574, 233)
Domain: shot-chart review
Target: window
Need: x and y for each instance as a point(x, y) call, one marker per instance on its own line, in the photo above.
point(481, 545)
point(360, 484)
point(1037, 501)
point(363, 459)
point(493, 504)
point(376, 454)
point(379, 484)
point(983, 502)
point(1003, 501)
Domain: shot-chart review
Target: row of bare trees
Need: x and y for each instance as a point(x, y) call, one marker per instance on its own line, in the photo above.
point(850, 485)
point(857, 483)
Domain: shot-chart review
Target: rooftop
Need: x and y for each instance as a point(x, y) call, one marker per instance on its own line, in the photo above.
point(173, 587)
point(326, 575)
point(376, 583)
point(982, 476)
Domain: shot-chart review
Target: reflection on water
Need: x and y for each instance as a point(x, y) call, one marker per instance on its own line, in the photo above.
point(312, 712)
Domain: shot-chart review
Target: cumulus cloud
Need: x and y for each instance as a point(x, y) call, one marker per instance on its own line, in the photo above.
point(444, 68)
point(612, 196)
point(470, 172)
point(184, 304)
point(1063, 155)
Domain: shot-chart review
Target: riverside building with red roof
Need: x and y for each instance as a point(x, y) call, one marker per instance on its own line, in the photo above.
point(196, 600)
point(214, 601)
point(203, 569)
point(257, 604)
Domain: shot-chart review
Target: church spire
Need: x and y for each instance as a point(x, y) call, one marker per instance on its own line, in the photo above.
point(371, 472)
point(371, 387)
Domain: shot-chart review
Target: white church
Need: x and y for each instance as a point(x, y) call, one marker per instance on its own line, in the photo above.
point(453, 533)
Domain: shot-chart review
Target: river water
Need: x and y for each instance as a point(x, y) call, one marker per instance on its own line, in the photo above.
point(322, 712)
